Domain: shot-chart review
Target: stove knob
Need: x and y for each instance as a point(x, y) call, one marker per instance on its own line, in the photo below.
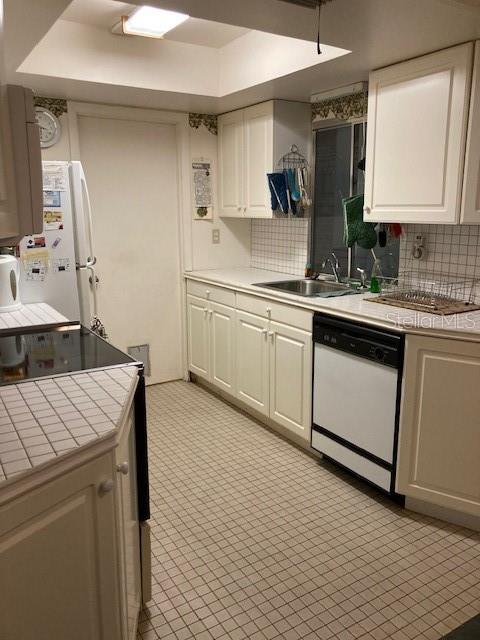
point(379, 354)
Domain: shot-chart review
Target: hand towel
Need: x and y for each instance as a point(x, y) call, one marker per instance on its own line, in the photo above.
point(355, 229)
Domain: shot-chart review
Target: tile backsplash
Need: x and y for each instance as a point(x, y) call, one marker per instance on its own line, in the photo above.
point(451, 249)
point(280, 245)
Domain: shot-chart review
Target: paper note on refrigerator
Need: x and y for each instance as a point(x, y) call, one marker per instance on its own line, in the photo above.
point(52, 219)
point(35, 264)
point(54, 177)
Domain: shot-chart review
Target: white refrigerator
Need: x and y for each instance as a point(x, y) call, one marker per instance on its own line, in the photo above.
point(58, 265)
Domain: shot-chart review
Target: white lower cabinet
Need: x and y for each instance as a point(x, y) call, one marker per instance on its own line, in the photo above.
point(222, 346)
point(211, 343)
point(58, 559)
point(128, 527)
point(291, 378)
point(198, 336)
point(253, 352)
point(439, 440)
point(252, 361)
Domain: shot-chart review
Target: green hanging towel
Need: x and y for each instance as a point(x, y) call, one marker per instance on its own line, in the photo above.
point(355, 229)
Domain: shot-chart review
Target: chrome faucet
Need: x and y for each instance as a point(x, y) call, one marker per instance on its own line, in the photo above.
point(334, 264)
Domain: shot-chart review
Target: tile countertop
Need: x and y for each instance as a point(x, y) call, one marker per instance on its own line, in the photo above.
point(43, 420)
point(464, 326)
point(30, 315)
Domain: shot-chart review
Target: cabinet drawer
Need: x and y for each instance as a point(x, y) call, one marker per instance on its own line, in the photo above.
point(277, 311)
point(209, 292)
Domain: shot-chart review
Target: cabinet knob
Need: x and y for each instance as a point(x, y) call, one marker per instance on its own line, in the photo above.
point(239, 208)
point(207, 293)
point(123, 468)
point(244, 208)
point(106, 486)
point(269, 310)
point(367, 210)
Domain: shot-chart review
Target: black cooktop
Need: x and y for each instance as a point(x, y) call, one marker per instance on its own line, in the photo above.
point(36, 353)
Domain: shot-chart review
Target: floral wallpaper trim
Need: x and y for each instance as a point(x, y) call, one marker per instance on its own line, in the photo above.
point(343, 107)
point(57, 106)
point(209, 121)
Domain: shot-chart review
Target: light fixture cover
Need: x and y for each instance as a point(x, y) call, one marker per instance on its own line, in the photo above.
point(151, 22)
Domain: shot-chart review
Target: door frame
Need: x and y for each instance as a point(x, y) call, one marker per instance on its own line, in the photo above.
point(76, 110)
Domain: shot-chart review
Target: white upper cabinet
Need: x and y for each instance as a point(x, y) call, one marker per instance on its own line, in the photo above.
point(471, 186)
point(230, 152)
point(21, 189)
point(251, 143)
point(258, 159)
point(417, 115)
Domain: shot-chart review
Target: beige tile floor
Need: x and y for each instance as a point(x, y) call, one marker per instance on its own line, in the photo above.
point(252, 538)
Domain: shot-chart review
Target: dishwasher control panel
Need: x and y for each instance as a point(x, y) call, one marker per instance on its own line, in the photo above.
point(366, 342)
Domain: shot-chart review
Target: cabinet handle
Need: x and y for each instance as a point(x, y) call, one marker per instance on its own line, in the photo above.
point(205, 312)
point(272, 335)
point(210, 313)
point(265, 332)
point(106, 486)
point(123, 468)
point(239, 208)
point(367, 210)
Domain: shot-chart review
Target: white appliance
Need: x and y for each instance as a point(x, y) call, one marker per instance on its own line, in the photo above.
point(356, 391)
point(58, 265)
point(9, 277)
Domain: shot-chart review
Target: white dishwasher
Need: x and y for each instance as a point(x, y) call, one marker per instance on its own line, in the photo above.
point(356, 394)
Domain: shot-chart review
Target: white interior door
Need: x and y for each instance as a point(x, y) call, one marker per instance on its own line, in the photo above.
point(131, 169)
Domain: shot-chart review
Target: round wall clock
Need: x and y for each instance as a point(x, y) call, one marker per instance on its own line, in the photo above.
point(50, 129)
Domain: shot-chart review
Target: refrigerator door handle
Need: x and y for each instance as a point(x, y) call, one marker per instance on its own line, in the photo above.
point(93, 283)
point(91, 259)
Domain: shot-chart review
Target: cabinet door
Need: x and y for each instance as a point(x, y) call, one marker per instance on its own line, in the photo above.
point(58, 559)
point(439, 443)
point(230, 162)
point(252, 361)
point(222, 346)
point(258, 159)
point(128, 526)
point(198, 336)
point(291, 378)
point(471, 183)
point(417, 116)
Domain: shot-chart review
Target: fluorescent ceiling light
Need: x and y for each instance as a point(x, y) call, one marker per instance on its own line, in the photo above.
point(151, 22)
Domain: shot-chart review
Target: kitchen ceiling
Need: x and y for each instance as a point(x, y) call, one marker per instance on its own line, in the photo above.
point(377, 32)
point(105, 13)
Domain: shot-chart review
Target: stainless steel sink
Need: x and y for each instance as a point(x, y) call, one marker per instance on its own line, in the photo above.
point(308, 288)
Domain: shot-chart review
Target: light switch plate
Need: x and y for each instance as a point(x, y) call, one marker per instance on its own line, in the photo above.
point(215, 236)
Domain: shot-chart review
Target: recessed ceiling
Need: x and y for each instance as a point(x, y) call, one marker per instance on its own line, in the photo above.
point(105, 13)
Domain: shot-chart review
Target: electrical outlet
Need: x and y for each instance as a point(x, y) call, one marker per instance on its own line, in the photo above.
point(215, 236)
point(419, 250)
